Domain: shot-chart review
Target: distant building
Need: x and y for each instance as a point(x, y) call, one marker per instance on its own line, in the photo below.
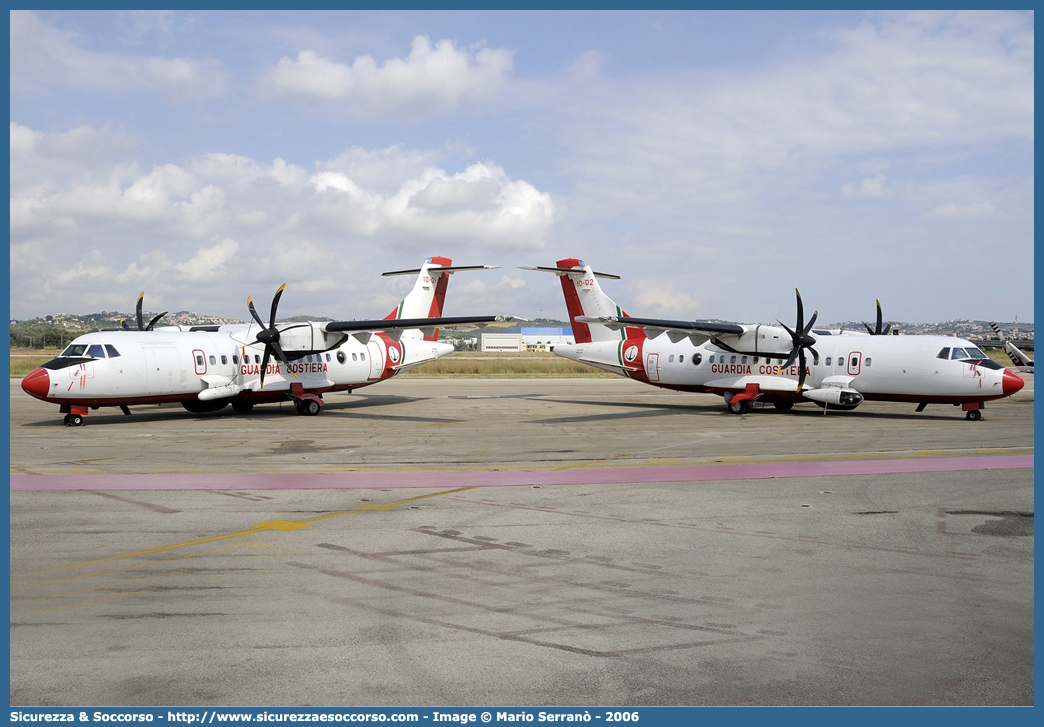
point(526, 339)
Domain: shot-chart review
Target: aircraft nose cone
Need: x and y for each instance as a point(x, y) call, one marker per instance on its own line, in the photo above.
point(1012, 383)
point(38, 382)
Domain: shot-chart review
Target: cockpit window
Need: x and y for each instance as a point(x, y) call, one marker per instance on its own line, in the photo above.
point(945, 353)
point(96, 351)
point(959, 353)
point(77, 350)
point(976, 353)
point(111, 350)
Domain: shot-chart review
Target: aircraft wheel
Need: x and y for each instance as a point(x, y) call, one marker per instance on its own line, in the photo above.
point(783, 405)
point(308, 407)
point(739, 407)
point(242, 407)
point(74, 420)
point(974, 415)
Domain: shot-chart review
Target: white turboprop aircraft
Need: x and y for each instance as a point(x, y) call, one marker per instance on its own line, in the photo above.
point(205, 368)
point(748, 363)
point(1018, 359)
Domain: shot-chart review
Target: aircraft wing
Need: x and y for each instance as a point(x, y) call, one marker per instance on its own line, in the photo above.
point(696, 331)
point(394, 327)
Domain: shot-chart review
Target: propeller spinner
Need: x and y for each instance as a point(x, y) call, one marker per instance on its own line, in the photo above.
point(801, 339)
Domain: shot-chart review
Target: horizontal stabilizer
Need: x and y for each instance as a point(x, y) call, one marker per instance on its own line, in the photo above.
point(435, 270)
point(568, 271)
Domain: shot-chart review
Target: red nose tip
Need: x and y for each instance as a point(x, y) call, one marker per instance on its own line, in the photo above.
point(1012, 383)
point(37, 383)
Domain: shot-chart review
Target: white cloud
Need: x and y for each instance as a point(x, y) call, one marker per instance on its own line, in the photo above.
point(871, 188)
point(74, 224)
point(210, 263)
point(46, 60)
point(433, 79)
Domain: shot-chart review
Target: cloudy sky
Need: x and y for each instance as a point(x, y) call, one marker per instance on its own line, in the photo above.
point(715, 160)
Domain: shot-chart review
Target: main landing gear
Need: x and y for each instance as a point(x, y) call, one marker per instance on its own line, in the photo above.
point(739, 406)
point(308, 407)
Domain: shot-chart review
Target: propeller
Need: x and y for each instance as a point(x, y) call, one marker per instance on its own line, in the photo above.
point(878, 331)
point(270, 335)
point(801, 339)
point(141, 325)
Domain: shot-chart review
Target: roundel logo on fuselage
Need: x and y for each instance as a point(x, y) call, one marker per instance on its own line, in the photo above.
point(631, 354)
point(393, 354)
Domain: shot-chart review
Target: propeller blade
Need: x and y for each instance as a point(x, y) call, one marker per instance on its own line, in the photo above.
point(282, 357)
point(811, 322)
point(154, 320)
point(878, 329)
point(801, 373)
point(253, 312)
point(800, 310)
point(868, 328)
point(141, 298)
point(264, 365)
point(123, 322)
point(275, 305)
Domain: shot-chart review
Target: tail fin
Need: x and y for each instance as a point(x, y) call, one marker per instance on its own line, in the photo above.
point(584, 297)
point(429, 292)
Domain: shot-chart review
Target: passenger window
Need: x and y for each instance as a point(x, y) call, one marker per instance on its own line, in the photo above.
point(212, 360)
point(841, 361)
point(671, 359)
point(113, 353)
point(681, 359)
point(828, 360)
point(945, 353)
point(354, 357)
point(235, 359)
point(224, 359)
point(756, 359)
point(362, 356)
point(732, 360)
point(328, 358)
point(257, 358)
point(710, 360)
point(199, 361)
point(866, 361)
point(744, 360)
point(855, 361)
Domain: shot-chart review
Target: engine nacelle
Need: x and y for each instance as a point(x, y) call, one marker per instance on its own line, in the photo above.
point(835, 396)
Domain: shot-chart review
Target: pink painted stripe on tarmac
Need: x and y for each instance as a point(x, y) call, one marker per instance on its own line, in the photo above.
point(502, 478)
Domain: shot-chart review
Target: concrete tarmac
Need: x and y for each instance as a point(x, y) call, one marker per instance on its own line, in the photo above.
point(884, 585)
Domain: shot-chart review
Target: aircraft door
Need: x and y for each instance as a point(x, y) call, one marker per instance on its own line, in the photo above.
point(376, 353)
point(162, 369)
point(855, 362)
point(652, 366)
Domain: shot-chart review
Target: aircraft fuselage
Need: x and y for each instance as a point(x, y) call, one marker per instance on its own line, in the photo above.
point(886, 368)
